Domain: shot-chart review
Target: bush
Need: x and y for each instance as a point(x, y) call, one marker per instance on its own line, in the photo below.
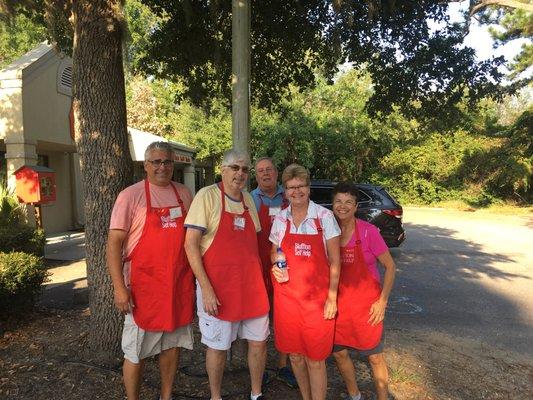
point(22, 238)
point(21, 277)
point(10, 209)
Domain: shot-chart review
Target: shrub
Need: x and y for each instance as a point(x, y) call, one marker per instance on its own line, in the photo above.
point(22, 238)
point(21, 277)
point(10, 209)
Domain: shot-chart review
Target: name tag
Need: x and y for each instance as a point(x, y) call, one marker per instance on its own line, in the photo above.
point(273, 211)
point(238, 223)
point(175, 212)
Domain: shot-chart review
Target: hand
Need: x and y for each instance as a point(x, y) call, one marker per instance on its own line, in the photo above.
point(377, 311)
point(330, 309)
point(210, 301)
point(122, 300)
point(278, 273)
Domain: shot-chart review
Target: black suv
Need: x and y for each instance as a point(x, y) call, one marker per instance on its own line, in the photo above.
point(375, 206)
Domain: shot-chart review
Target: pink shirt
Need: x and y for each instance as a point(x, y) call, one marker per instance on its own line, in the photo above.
point(129, 211)
point(373, 245)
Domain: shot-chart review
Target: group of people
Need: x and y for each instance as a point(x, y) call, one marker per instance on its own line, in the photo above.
point(231, 241)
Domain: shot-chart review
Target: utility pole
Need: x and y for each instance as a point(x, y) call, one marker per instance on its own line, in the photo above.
point(240, 80)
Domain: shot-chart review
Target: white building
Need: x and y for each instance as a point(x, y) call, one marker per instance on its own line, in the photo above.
point(35, 129)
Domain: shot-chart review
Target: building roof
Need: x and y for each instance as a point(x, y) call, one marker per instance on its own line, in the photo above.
point(29, 63)
point(139, 141)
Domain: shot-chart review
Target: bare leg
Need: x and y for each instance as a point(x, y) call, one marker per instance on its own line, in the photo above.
point(132, 373)
point(299, 367)
point(347, 370)
point(257, 353)
point(214, 364)
point(317, 378)
point(168, 365)
point(381, 375)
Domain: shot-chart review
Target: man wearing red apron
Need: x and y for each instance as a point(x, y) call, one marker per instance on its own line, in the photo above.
point(269, 200)
point(153, 283)
point(221, 244)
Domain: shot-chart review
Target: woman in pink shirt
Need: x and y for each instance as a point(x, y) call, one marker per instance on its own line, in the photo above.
point(361, 298)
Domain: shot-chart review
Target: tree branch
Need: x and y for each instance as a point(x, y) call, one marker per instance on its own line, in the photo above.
point(501, 3)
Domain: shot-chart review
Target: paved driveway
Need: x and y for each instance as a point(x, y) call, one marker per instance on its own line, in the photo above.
point(466, 274)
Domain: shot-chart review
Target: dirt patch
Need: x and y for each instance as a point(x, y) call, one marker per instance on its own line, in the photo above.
point(45, 356)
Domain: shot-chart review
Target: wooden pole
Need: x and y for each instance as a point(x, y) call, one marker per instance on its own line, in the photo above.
point(240, 81)
point(38, 216)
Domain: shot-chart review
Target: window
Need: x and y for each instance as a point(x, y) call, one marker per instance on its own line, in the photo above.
point(43, 161)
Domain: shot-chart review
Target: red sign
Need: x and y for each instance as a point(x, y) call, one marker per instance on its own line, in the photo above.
point(35, 184)
point(182, 159)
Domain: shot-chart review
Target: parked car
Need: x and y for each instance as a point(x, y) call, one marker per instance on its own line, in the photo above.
point(375, 205)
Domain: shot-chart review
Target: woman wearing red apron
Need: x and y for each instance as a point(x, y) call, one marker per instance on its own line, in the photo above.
point(305, 306)
point(361, 300)
point(269, 199)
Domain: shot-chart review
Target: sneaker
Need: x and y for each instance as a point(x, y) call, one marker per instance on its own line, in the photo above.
point(286, 376)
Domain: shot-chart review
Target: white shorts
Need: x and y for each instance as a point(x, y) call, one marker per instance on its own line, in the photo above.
point(218, 334)
point(138, 344)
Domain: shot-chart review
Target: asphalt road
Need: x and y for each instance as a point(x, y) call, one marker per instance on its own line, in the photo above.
point(467, 275)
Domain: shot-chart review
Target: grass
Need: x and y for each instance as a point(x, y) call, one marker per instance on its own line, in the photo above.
point(403, 375)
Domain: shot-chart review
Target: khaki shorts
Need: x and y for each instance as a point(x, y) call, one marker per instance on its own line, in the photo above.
point(219, 334)
point(138, 344)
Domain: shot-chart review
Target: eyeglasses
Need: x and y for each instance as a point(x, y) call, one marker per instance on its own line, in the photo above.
point(157, 163)
point(234, 167)
point(294, 188)
point(348, 203)
point(268, 170)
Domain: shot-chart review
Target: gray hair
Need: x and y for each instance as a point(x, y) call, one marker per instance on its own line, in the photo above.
point(162, 146)
point(265, 159)
point(231, 156)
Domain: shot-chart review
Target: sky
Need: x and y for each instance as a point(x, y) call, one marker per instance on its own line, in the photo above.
point(480, 39)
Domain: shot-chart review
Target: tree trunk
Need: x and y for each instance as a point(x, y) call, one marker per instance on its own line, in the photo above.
point(102, 143)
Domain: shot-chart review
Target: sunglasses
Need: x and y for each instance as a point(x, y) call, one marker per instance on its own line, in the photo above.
point(235, 168)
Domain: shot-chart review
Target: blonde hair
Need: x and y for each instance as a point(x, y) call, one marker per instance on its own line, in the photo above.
point(295, 171)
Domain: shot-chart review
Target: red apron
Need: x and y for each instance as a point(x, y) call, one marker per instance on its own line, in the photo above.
point(233, 266)
point(162, 283)
point(265, 245)
point(358, 290)
point(299, 323)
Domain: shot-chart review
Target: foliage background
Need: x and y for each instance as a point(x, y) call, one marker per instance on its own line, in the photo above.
point(480, 155)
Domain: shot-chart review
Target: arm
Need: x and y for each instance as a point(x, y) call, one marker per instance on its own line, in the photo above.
point(194, 254)
point(377, 310)
point(115, 241)
point(333, 247)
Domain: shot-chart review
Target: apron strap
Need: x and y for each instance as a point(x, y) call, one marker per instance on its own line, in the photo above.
point(180, 201)
point(221, 187)
point(147, 193)
point(358, 245)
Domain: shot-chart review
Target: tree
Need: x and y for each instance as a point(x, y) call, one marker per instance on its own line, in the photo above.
point(18, 36)
point(413, 67)
point(102, 142)
point(101, 134)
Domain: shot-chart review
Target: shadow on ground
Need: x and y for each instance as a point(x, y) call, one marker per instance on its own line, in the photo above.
point(445, 294)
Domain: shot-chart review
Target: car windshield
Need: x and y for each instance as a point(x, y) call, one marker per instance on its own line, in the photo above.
point(321, 195)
